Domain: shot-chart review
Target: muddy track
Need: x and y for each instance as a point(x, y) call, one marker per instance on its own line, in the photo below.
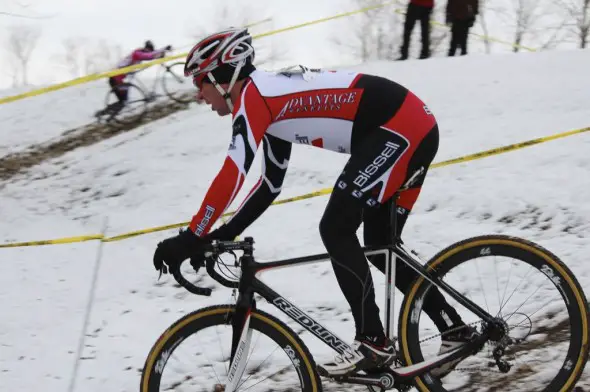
point(13, 164)
point(554, 335)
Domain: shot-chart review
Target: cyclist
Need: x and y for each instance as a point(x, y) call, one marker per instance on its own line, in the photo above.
point(389, 133)
point(148, 52)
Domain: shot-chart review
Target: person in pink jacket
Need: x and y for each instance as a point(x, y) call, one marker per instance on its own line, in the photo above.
point(148, 52)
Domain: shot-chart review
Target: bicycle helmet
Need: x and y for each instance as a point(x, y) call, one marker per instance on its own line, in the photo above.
point(149, 45)
point(223, 57)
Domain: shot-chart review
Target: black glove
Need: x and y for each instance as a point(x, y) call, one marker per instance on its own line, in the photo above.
point(169, 47)
point(223, 233)
point(174, 250)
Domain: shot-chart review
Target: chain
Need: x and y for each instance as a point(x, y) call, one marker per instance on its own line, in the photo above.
point(463, 369)
point(449, 331)
point(476, 369)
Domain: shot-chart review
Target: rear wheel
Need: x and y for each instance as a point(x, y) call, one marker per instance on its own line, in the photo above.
point(194, 355)
point(536, 297)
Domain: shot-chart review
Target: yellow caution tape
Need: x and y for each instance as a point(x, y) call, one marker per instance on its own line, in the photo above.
point(66, 240)
point(488, 38)
point(136, 67)
point(511, 147)
point(321, 192)
point(322, 20)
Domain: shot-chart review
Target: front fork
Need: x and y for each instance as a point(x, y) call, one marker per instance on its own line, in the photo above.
point(241, 337)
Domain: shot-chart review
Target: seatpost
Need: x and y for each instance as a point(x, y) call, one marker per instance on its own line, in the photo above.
point(390, 270)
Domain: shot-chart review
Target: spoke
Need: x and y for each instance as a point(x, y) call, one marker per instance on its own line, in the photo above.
point(517, 309)
point(264, 379)
point(221, 348)
point(519, 283)
point(505, 289)
point(531, 315)
point(481, 285)
point(497, 288)
point(260, 365)
point(211, 363)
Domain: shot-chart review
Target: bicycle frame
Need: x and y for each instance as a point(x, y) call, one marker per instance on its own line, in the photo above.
point(150, 93)
point(249, 284)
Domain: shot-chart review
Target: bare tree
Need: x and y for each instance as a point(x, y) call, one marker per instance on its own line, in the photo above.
point(525, 12)
point(578, 12)
point(373, 35)
point(268, 53)
point(224, 17)
point(483, 22)
point(20, 45)
point(101, 56)
point(532, 20)
point(73, 57)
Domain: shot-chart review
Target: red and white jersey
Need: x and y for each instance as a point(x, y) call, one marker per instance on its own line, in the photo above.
point(315, 107)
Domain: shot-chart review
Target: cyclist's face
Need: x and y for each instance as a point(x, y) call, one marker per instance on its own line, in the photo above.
point(212, 97)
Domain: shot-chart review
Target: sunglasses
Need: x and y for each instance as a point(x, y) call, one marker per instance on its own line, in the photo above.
point(198, 80)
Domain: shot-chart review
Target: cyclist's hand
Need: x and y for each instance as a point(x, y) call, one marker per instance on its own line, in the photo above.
point(174, 250)
point(168, 47)
point(223, 233)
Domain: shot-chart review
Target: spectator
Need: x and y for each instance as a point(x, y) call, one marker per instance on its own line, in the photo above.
point(417, 10)
point(460, 16)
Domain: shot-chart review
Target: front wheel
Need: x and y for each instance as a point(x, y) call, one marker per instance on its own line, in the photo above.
point(544, 341)
point(194, 355)
point(176, 86)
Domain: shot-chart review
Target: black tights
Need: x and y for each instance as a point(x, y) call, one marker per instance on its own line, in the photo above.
point(342, 218)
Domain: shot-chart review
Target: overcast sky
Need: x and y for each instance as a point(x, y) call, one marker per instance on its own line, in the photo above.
point(130, 22)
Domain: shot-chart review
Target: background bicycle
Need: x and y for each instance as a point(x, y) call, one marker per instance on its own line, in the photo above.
point(170, 77)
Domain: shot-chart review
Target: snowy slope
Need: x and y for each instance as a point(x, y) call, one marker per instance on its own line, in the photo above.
point(159, 173)
point(45, 118)
point(42, 118)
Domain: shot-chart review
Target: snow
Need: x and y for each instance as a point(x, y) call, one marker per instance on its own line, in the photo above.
point(158, 174)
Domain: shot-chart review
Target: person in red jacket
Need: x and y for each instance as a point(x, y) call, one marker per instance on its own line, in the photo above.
point(461, 16)
point(417, 10)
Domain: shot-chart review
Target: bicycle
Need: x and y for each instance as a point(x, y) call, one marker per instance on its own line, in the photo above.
point(174, 85)
point(508, 335)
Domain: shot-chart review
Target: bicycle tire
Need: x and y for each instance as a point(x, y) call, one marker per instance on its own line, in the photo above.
point(261, 321)
point(517, 248)
point(185, 97)
point(137, 99)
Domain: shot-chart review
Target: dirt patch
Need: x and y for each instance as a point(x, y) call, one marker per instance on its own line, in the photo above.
point(72, 139)
point(554, 335)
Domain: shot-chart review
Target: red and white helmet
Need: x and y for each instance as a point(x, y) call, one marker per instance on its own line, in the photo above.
point(220, 57)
